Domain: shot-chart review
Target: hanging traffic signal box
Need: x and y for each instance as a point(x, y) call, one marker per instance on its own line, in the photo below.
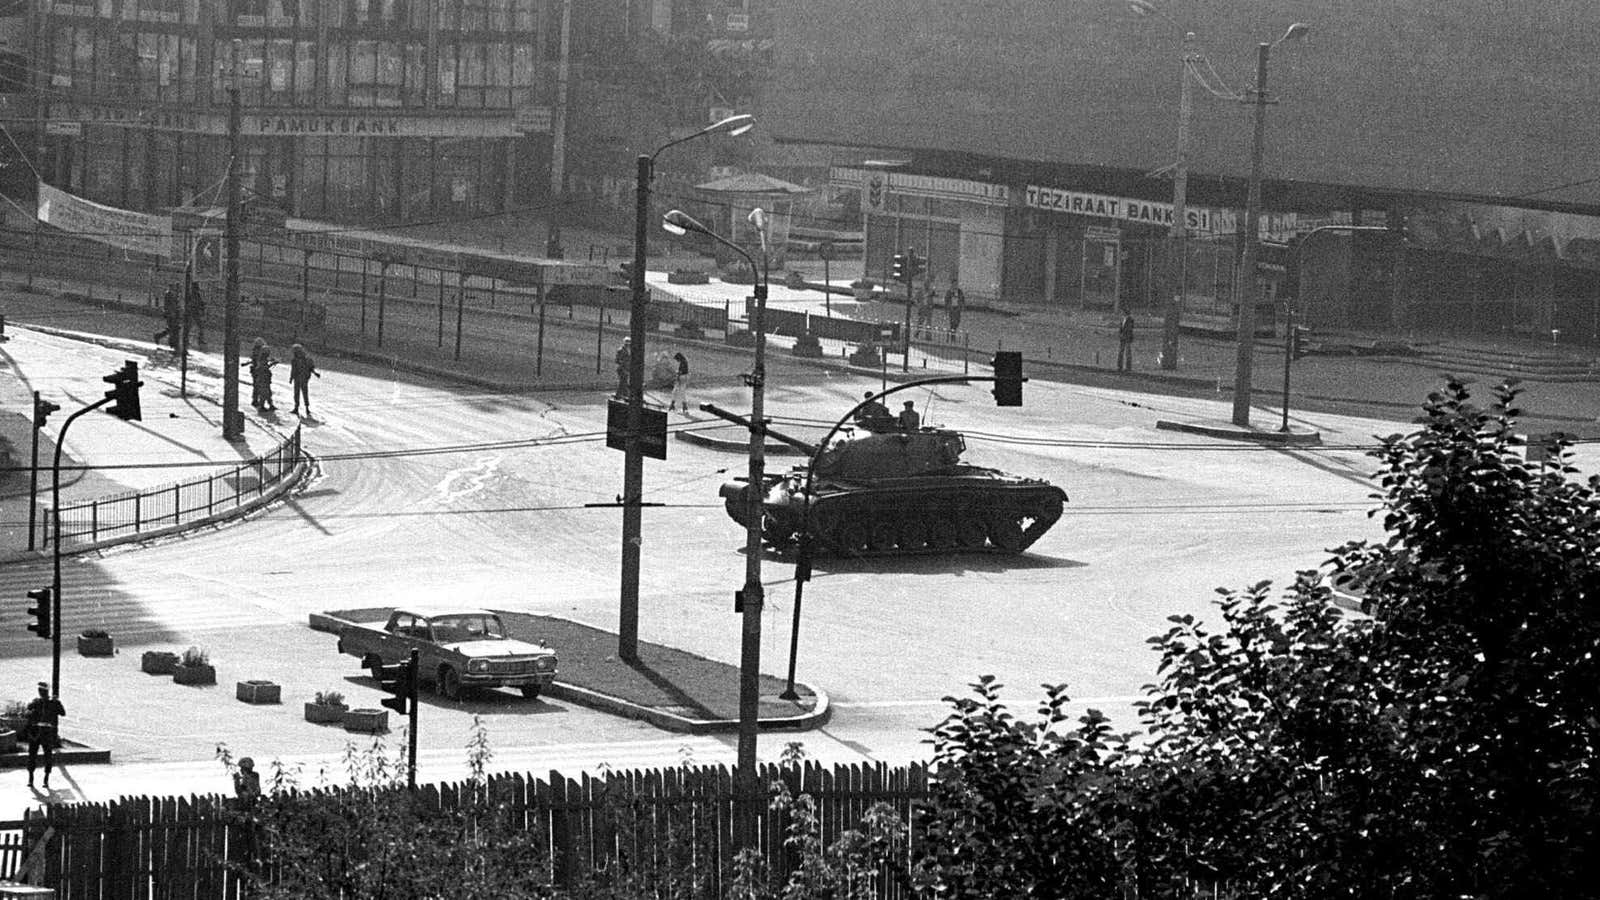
point(40, 610)
point(1007, 378)
point(400, 680)
point(1300, 342)
point(124, 393)
point(42, 409)
point(898, 271)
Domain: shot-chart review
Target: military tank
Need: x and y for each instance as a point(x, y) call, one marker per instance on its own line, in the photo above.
point(882, 492)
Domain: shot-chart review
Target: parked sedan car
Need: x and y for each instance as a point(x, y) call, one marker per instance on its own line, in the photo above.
point(457, 648)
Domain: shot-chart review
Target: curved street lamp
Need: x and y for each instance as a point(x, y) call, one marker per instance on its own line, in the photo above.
point(679, 222)
point(633, 452)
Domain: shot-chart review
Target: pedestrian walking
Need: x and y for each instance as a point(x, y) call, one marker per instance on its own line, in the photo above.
point(624, 363)
point(955, 300)
point(301, 368)
point(1125, 344)
point(680, 384)
point(910, 422)
point(194, 313)
point(44, 731)
point(924, 314)
point(260, 364)
point(172, 313)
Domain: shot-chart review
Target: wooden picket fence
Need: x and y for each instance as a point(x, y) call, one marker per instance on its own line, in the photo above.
point(146, 848)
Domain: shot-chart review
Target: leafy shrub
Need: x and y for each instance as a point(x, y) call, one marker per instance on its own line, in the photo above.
point(95, 633)
point(194, 656)
point(328, 698)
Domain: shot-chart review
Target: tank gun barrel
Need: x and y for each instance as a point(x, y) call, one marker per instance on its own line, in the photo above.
point(766, 430)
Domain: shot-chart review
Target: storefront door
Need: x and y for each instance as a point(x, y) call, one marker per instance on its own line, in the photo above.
point(1102, 252)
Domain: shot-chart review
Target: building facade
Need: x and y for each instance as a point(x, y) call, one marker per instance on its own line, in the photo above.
point(351, 110)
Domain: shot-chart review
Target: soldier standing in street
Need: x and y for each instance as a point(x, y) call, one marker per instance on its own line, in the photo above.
point(301, 368)
point(44, 730)
point(624, 362)
point(194, 312)
point(1125, 344)
point(172, 312)
point(955, 300)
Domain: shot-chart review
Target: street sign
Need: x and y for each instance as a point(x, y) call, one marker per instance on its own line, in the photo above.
point(652, 429)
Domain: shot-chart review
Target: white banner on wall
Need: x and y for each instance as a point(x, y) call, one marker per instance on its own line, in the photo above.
point(127, 230)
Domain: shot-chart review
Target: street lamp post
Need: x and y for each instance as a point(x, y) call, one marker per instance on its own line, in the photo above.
point(633, 453)
point(1250, 291)
point(753, 595)
point(1178, 234)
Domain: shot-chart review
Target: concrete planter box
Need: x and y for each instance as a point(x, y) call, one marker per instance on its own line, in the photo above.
point(158, 662)
point(323, 714)
point(259, 692)
point(686, 276)
point(195, 675)
point(369, 721)
point(95, 645)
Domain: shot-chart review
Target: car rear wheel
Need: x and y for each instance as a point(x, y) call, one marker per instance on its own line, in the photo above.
point(531, 691)
point(449, 684)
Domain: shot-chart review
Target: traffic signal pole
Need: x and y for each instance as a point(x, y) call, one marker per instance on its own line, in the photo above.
point(55, 548)
point(411, 723)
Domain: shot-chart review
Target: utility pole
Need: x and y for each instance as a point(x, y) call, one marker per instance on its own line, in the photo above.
point(1178, 235)
point(232, 419)
point(1249, 290)
point(558, 134)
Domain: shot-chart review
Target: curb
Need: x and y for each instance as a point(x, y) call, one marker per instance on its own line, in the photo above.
point(1234, 432)
point(69, 752)
point(818, 715)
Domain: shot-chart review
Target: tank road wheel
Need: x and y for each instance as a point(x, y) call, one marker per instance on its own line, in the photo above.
point(1005, 530)
point(942, 532)
point(776, 535)
point(913, 533)
point(448, 684)
point(852, 537)
point(971, 532)
point(882, 535)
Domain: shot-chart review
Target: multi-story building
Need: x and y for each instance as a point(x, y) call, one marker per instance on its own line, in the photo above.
point(352, 110)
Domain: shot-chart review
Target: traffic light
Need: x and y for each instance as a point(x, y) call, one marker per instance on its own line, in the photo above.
point(898, 272)
point(40, 610)
point(1299, 341)
point(124, 393)
point(1007, 378)
point(400, 680)
point(42, 409)
point(915, 265)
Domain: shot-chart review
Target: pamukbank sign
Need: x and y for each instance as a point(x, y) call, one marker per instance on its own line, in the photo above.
point(1126, 209)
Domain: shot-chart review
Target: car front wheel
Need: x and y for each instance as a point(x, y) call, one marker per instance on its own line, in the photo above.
point(531, 691)
point(449, 684)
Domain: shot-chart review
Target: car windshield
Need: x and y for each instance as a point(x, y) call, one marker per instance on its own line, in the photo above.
point(467, 627)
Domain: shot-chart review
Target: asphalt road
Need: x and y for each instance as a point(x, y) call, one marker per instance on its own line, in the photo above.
point(433, 491)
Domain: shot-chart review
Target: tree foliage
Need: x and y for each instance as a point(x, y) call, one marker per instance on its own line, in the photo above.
point(1443, 747)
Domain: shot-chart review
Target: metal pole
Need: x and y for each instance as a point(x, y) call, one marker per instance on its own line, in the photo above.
point(754, 596)
point(33, 475)
point(633, 464)
point(461, 302)
point(55, 544)
point(1288, 358)
point(1249, 290)
point(905, 343)
point(232, 420)
point(411, 736)
point(183, 354)
point(538, 359)
point(1178, 235)
point(383, 294)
